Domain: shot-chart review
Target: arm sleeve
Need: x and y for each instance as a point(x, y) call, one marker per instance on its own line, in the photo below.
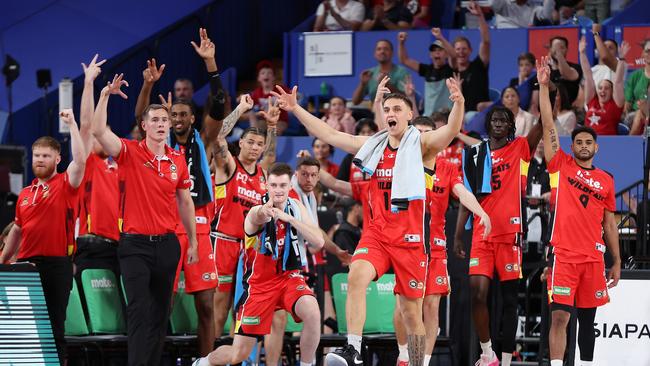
point(344, 168)
point(218, 96)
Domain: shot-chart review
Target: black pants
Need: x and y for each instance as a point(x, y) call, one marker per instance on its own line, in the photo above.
point(96, 252)
point(148, 266)
point(56, 277)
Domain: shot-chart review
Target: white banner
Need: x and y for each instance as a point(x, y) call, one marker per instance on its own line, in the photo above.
point(623, 326)
point(328, 54)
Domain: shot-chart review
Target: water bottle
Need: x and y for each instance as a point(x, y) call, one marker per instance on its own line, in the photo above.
point(324, 90)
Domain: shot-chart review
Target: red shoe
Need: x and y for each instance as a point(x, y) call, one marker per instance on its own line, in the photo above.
point(402, 363)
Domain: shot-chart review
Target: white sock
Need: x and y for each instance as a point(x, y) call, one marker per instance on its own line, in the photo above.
point(556, 362)
point(586, 363)
point(203, 361)
point(506, 358)
point(427, 360)
point(305, 363)
point(355, 341)
point(487, 348)
point(403, 352)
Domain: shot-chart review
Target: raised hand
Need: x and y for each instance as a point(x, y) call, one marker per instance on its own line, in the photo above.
point(459, 81)
point(67, 116)
point(623, 49)
point(596, 28)
point(281, 215)
point(246, 102)
point(167, 103)
point(436, 32)
point(267, 209)
point(115, 86)
point(543, 70)
point(382, 89)
point(407, 86)
point(286, 101)
point(455, 93)
point(582, 45)
point(401, 36)
point(271, 115)
point(474, 9)
point(365, 76)
point(93, 69)
point(152, 73)
point(205, 49)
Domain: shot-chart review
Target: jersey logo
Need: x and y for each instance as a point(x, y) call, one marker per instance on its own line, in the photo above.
point(412, 238)
point(515, 220)
point(361, 251)
point(439, 242)
point(473, 262)
point(564, 291)
point(251, 320)
point(601, 247)
point(241, 177)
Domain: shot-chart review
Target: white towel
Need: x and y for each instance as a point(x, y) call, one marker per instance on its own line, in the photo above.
point(408, 172)
point(307, 199)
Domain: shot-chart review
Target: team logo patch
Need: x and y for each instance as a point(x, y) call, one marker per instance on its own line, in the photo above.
point(601, 247)
point(420, 285)
point(205, 276)
point(24, 202)
point(225, 279)
point(172, 168)
point(174, 176)
point(412, 238)
point(558, 290)
point(423, 264)
point(250, 320)
point(413, 284)
point(361, 251)
point(473, 262)
point(515, 220)
point(213, 276)
point(440, 280)
point(300, 287)
point(600, 294)
point(509, 267)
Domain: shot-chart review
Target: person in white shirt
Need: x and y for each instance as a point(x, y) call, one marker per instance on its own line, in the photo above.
point(519, 13)
point(337, 15)
point(524, 121)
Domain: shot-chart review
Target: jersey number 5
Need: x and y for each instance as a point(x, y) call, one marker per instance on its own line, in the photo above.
point(496, 182)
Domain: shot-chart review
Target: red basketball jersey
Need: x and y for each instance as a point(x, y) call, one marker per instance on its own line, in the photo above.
point(579, 198)
point(439, 183)
point(503, 205)
point(234, 198)
point(405, 228)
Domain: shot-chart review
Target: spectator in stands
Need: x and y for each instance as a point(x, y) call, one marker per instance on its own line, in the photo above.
point(337, 15)
point(184, 90)
point(262, 96)
point(136, 132)
point(566, 9)
point(474, 73)
point(526, 64)
point(322, 153)
point(641, 117)
point(436, 95)
point(607, 61)
point(565, 117)
point(636, 87)
point(391, 15)
point(597, 10)
point(3, 236)
point(523, 120)
point(521, 14)
point(604, 105)
point(338, 116)
point(347, 171)
point(562, 71)
point(370, 78)
point(421, 10)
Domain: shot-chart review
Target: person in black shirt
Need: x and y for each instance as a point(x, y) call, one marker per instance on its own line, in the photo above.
point(347, 235)
point(563, 71)
point(392, 15)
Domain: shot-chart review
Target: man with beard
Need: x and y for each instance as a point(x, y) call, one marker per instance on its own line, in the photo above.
point(370, 78)
point(500, 249)
point(394, 237)
point(583, 204)
point(436, 96)
point(99, 228)
point(43, 230)
point(240, 183)
point(156, 192)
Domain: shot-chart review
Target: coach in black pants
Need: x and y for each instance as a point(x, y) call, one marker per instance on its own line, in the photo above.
point(155, 194)
point(43, 231)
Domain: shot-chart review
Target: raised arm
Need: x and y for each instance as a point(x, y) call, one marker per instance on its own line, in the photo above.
point(150, 75)
point(470, 202)
point(590, 87)
point(551, 141)
point(91, 71)
point(315, 126)
point(271, 115)
point(377, 107)
point(468, 140)
point(618, 94)
point(78, 164)
point(337, 185)
point(109, 140)
point(567, 72)
point(435, 141)
point(484, 49)
point(360, 90)
point(610, 229)
point(451, 52)
point(404, 58)
point(223, 162)
point(605, 55)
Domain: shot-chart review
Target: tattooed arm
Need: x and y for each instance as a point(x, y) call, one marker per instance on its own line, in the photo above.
point(271, 115)
point(224, 163)
point(551, 139)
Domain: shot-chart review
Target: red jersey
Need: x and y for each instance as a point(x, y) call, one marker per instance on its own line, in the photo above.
point(332, 168)
point(440, 183)
point(503, 205)
point(404, 228)
point(203, 214)
point(46, 214)
point(100, 199)
point(579, 198)
point(604, 120)
point(235, 197)
point(260, 267)
point(149, 189)
point(453, 154)
point(360, 194)
point(262, 99)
